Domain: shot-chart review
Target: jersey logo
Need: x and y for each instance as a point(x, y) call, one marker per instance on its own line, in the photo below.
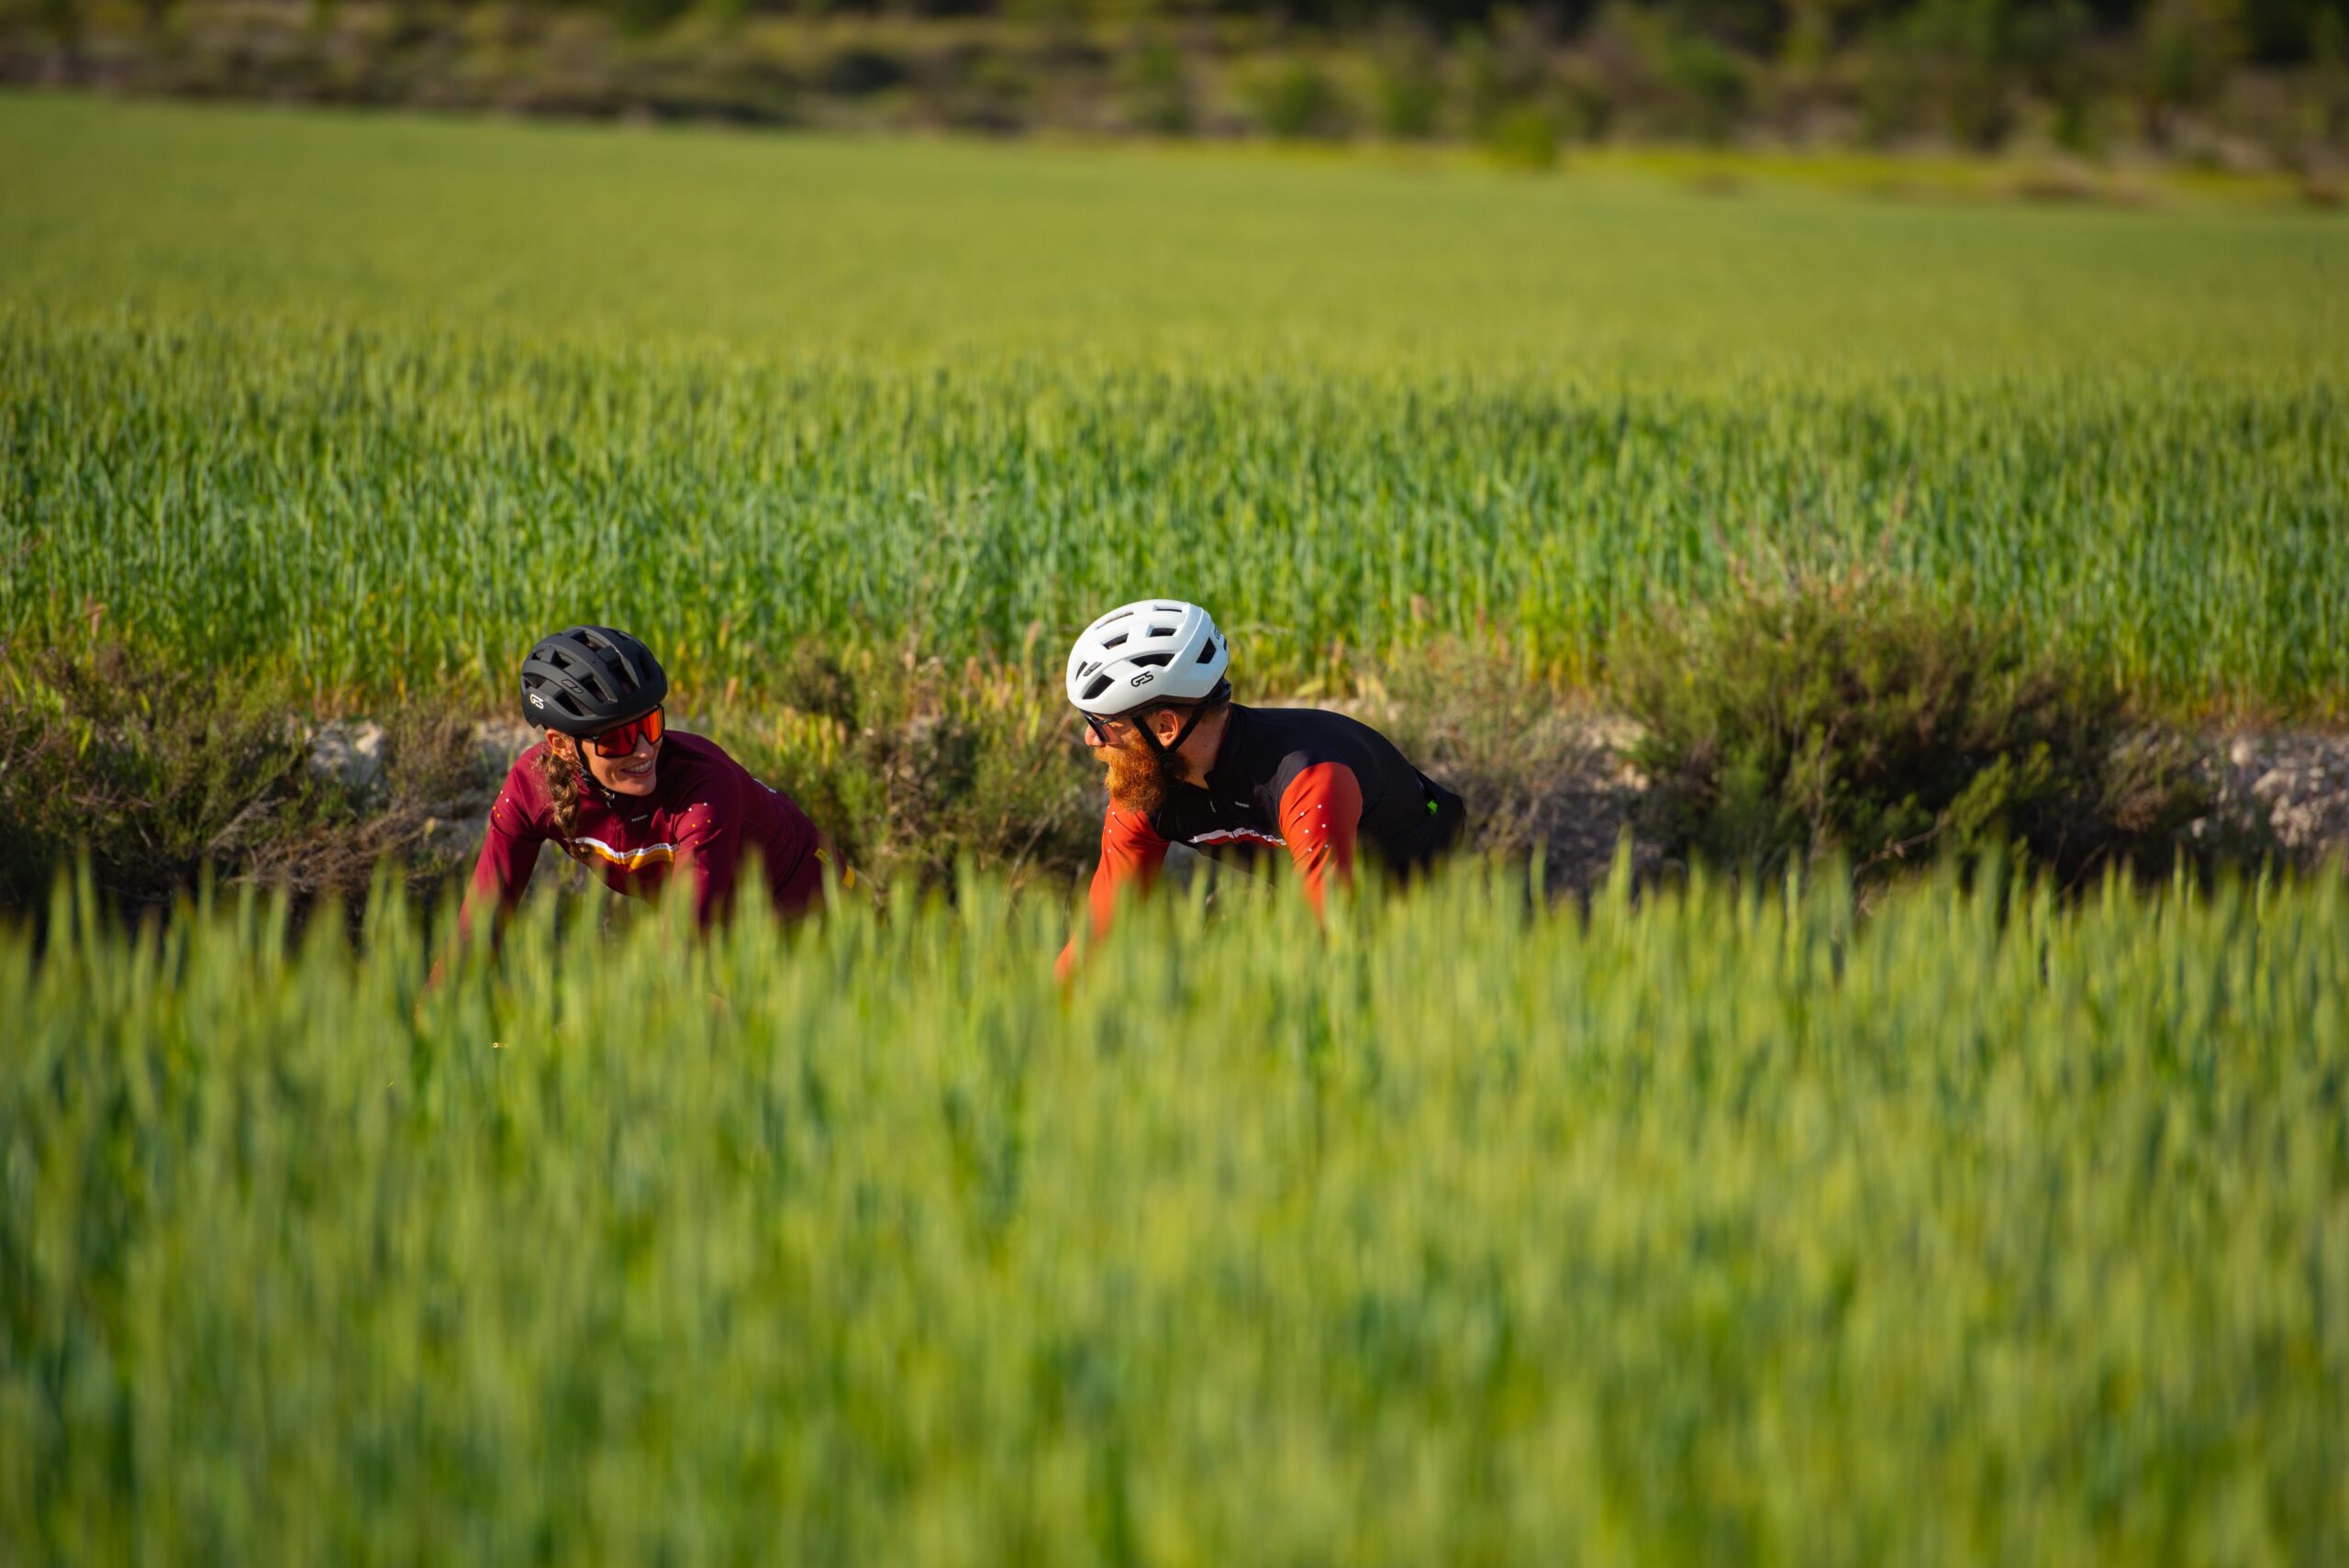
point(588, 851)
point(1238, 836)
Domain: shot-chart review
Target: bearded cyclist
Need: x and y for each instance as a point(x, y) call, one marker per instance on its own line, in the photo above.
point(1187, 765)
point(637, 803)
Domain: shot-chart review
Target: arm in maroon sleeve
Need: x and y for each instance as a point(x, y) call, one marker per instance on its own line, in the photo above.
point(796, 853)
point(803, 889)
point(1131, 853)
point(509, 850)
point(709, 848)
point(1320, 812)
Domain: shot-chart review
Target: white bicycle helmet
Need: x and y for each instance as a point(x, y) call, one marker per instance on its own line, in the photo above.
point(1151, 651)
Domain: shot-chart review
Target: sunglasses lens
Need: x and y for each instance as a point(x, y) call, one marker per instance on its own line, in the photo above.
point(620, 740)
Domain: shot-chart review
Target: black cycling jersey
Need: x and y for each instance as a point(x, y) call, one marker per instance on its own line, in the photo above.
point(1407, 817)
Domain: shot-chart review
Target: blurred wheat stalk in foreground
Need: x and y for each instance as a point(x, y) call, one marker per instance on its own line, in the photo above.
point(1716, 1226)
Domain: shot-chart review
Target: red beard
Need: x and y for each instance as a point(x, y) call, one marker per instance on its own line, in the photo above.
point(1138, 778)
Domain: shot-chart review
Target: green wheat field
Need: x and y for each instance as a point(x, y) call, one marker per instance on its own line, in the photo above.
point(1720, 1227)
point(366, 401)
point(1707, 1224)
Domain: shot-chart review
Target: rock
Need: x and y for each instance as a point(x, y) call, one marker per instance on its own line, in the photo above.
point(2292, 788)
point(497, 743)
point(448, 840)
point(350, 753)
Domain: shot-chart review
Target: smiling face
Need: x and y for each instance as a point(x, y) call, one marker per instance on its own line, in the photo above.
point(635, 774)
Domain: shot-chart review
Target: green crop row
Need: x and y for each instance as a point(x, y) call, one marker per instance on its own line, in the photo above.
point(371, 404)
point(367, 405)
point(700, 251)
point(370, 515)
point(1714, 1227)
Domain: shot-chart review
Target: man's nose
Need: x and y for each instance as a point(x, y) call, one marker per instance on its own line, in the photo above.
point(1092, 735)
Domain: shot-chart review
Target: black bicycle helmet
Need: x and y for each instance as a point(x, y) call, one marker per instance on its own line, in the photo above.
point(584, 679)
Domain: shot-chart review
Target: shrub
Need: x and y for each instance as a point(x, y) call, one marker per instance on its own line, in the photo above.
point(859, 70)
point(1407, 85)
point(1892, 85)
point(1296, 99)
point(913, 764)
point(1707, 80)
point(1849, 715)
point(153, 770)
point(157, 773)
point(1501, 70)
point(1470, 714)
point(1154, 85)
point(1523, 138)
point(2187, 49)
point(1967, 48)
point(2054, 45)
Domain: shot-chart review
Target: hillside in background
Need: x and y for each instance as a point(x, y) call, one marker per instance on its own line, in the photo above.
point(2225, 84)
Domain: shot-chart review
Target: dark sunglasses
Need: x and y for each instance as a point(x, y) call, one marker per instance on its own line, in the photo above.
point(620, 739)
point(1103, 728)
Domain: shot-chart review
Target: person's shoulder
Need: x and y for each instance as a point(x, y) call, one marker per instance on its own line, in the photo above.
point(525, 789)
point(684, 749)
point(1303, 720)
point(700, 780)
point(1125, 825)
point(686, 756)
point(1309, 735)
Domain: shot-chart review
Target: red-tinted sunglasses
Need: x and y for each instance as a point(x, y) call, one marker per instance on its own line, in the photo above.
point(620, 739)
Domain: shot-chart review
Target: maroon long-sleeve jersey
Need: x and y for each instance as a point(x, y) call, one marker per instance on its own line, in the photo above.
point(704, 817)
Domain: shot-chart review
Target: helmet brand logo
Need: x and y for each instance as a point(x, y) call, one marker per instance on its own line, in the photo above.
point(537, 701)
point(1144, 678)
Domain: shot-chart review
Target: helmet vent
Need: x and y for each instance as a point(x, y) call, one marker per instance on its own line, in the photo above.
point(1143, 654)
point(587, 676)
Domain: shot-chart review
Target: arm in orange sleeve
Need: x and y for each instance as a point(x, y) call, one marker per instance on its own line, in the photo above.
point(1132, 853)
point(1321, 813)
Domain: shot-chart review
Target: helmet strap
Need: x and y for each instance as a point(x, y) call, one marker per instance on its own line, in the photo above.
point(1215, 698)
point(586, 771)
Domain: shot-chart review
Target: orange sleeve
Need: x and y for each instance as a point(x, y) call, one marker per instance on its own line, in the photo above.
point(1132, 853)
point(1320, 813)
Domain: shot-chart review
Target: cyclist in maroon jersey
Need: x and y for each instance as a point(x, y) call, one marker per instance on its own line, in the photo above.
point(639, 804)
point(1188, 765)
